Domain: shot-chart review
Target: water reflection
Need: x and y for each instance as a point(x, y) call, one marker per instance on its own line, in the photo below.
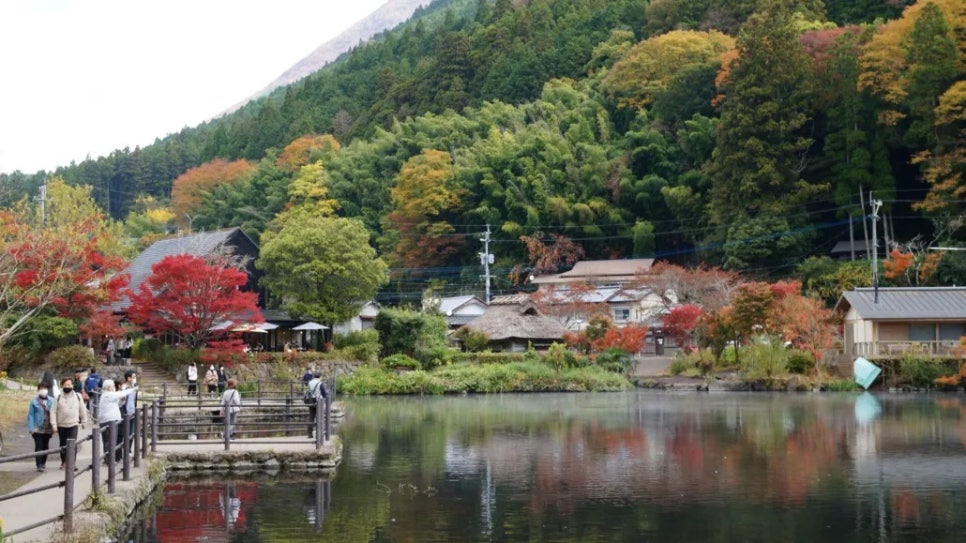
point(639, 466)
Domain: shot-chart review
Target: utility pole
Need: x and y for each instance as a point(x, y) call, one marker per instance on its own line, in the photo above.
point(486, 259)
point(876, 204)
point(42, 198)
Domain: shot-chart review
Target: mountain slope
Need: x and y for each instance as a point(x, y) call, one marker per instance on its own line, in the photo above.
point(389, 15)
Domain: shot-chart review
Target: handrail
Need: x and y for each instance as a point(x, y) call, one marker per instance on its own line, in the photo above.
point(134, 435)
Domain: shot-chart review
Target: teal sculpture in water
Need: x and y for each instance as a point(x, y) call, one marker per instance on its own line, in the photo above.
point(865, 372)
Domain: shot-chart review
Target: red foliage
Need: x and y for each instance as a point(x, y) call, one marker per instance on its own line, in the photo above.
point(680, 323)
point(561, 252)
point(570, 304)
point(228, 351)
point(629, 339)
point(711, 288)
point(187, 296)
point(103, 323)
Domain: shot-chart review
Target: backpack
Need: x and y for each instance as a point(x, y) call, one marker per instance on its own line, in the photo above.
point(92, 383)
point(312, 394)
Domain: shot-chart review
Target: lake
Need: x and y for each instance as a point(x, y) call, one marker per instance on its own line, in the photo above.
point(609, 467)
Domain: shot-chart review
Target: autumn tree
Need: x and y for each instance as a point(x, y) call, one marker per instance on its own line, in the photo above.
point(912, 266)
point(805, 323)
point(547, 254)
point(320, 268)
point(945, 167)
point(425, 200)
point(680, 324)
point(709, 288)
point(186, 296)
point(571, 305)
point(58, 270)
point(651, 65)
point(189, 187)
point(306, 150)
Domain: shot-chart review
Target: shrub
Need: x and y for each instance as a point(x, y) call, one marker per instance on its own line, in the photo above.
point(353, 339)
point(920, 372)
point(148, 349)
point(556, 356)
point(841, 385)
point(400, 361)
point(362, 345)
point(800, 362)
point(472, 341)
point(763, 359)
point(615, 360)
point(681, 364)
point(68, 359)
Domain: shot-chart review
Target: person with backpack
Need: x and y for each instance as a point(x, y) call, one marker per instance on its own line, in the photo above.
point(314, 391)
point(92, 387)
point(39, 425)
point(230, 406)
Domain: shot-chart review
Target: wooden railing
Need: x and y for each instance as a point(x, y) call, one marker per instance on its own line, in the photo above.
point(272, 410)
point(884, 349)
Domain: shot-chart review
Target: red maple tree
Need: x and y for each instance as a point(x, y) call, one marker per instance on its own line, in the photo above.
point(187, 296)
point(680, 323)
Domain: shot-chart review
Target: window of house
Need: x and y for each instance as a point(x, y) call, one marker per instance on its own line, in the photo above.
point(951, 331)
point(922, 332)
point(622, 314)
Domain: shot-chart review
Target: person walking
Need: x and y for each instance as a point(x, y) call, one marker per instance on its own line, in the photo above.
point(48, 381)
point(130, 407)
point(39, 423)
point(314, 390)
point(109, 350)
point(222, 378)
point(67, 416)
point(211, 380)
point(192, 378)
point(231, 405)
point(109, 411)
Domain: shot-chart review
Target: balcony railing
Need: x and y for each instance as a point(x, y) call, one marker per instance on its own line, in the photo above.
point(886, 349)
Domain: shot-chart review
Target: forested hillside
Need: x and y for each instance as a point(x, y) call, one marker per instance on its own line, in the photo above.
point(729, 133)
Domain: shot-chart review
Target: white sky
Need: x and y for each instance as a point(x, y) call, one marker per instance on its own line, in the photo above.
point(86, 77)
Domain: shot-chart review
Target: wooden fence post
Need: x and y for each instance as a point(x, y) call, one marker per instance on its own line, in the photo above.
point(125, 447)
point(109, 451)
point(154, 426)
point(96, 457)
point(69, 466)
point(144, 431)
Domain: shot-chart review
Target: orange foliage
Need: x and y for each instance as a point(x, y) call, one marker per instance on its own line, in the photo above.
point(189, 187)
point(629, 339)
point(300, 151)
point(910, 268)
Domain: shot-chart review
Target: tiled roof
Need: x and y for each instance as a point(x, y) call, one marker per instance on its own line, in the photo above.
point(510, 299)
point(196, 244)
point(912, 303)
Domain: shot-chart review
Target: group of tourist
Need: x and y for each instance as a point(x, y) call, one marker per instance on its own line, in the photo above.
point(66, 409)
point(215, 380)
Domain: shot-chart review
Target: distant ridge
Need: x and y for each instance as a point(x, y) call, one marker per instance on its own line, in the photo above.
point(387, 16)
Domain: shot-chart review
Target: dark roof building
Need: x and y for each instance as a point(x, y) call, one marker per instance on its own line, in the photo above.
point(201, 244)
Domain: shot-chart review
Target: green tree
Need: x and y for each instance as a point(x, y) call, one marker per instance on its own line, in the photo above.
point(321, 268)
point(763, 142)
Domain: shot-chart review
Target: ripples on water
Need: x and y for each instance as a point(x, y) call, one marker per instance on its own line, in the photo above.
point(636, 466)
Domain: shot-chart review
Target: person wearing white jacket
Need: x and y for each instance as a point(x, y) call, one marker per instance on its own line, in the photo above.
point(109, 410)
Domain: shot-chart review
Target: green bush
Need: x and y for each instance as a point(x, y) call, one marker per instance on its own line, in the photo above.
point(763, 359)
point(362, 345)
point(353, 339)
point(556, 356)
point(68, 359)
point(681, 364)
point(920, 372)
point(471, 378)
point(488, 358)
point(472, 341)
point(148, 349)
point(841, 385)
point(400, 361)
point(800, 362)
point(615, 360)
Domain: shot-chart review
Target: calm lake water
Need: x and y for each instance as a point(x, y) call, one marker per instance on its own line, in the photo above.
point(635, 466)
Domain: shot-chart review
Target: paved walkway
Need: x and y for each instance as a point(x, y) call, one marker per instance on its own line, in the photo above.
point(32, 508)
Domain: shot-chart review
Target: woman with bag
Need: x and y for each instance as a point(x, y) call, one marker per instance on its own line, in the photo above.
point(211, 379)
point(38, 423)
point(231, 405)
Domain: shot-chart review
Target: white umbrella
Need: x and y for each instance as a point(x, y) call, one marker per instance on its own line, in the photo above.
point(249, 328)
point(311, 326)
point(267, 326)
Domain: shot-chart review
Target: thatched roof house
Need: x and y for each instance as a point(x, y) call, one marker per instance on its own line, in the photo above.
point(513, 324)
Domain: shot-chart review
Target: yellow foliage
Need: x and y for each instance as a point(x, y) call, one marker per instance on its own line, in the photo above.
point(883, 60)
point(650, 65)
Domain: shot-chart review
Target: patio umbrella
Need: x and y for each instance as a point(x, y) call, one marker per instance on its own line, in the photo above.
point(249, 328)
point(311, 326)
point(267, 326)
